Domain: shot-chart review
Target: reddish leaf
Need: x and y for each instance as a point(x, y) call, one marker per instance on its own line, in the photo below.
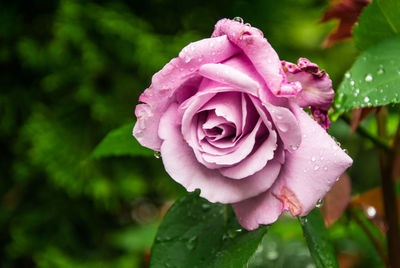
point(336, 201)
point(371, 203)
point(358, 116)
point(347, 11)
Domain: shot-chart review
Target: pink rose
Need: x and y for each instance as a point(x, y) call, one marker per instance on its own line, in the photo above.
point(227, 117)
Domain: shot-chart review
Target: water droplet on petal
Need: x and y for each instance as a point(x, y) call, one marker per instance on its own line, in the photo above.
point(294, 147)
point(188, 59)
point(316, 168)
point(157, 154)
point(320, 202)
point(325, 168)
point(283, 127)
point(313, 159)
point(238, 19)
point(368, 78)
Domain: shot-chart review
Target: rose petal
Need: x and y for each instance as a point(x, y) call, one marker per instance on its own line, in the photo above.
point(181, 164)
point(261, 209)
point(227, 105)
point(285, 122)
point(228, 75)
point(264, 58)
point(317, 90)
point(255, 161)
point(242, 149)
point(309, 172)
point(286, 125)
point(170, 78)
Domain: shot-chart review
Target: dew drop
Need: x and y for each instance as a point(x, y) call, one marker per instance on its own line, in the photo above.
point(157, 154)
point(371, 211)
point(325, 168)
point(294, 147)
point(316, 167)
point(205, 207)
point(238, 19)
point(347, 75)
point(191, 243)
point(380, 70)
point(272, 255)
point(320, 202)
point(368, 78)
point(366, 99)
point(352, 82)
point(188, 59)
point(283, 127)
point(313, 159)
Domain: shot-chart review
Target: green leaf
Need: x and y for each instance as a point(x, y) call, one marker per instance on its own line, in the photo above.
point(120, 142)
point(317, 239)
point(379, 20)
point(197, 233)
point(374, 79)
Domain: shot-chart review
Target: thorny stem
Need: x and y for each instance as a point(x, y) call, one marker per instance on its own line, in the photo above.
point(378, 246)
point(365, 133)
point(389, 196)
point(396, 160)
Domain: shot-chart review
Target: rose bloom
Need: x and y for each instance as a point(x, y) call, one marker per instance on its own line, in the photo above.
point(226, 116)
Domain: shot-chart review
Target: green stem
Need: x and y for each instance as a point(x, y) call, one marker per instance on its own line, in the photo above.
point(375, 241)
point(386, 160)
point(366, 134)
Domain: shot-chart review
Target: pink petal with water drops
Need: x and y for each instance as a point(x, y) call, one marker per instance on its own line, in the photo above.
point(182, 165)
point(169, 79)
point(310, 171)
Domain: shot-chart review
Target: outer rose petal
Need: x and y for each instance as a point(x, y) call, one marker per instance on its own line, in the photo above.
point(264, 58)
point(161, 93)
point(228, 75)
point(261, 209)
point(181, 164)
point(317, 88)
point(309, 173)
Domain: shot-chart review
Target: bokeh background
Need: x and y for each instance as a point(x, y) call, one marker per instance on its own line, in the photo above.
point(72, 71)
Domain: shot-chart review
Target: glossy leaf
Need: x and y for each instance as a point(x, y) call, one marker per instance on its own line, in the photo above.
point(318, 240)
point(120, 142)
point(374, 79)
point(379, 20)
point(197, 233)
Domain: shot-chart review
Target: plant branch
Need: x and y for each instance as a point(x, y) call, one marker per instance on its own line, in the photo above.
point(366, 134)
point(375, 241)
point(389, 196)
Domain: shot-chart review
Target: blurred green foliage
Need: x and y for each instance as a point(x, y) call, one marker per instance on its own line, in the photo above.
point(71, 71)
